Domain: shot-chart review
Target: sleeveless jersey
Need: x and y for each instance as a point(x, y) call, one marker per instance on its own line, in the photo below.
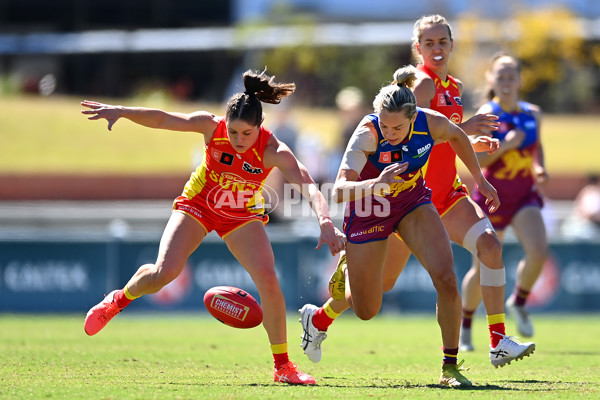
point(415, 150)
point(441, 174)
point(229, 182)
point(511, 174)
point(523, 119)
point(375, 217)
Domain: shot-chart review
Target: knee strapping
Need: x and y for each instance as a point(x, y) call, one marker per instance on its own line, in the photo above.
point(491, 277)
point(478, 229)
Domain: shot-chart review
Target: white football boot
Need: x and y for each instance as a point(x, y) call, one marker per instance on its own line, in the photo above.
point(524, 325)
point(509, 349)
point(312, 338)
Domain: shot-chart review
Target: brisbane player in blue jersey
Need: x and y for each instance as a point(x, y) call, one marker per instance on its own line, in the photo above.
point(516, 170)
point(381, 179)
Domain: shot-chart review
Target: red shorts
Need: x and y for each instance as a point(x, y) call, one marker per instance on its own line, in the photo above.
point(211, 220)
point(443, 204)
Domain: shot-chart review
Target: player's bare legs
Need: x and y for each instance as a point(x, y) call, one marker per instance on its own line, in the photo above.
point(471, 286)
point(395, 261)
point(529, 228)
point(426, 237)
point(364, 289)
point(458, 220)
point(396, 258)
point(181, 237)
point(250, 245)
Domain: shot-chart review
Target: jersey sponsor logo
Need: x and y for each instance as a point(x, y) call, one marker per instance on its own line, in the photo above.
point(422, 151)
point(455, 117)
point(249, 168)
point(441, 100)
point(222, 157)
point(444, 99)
point(458, 101)
point(387, 157)
point(226, 158)
point(373, 229)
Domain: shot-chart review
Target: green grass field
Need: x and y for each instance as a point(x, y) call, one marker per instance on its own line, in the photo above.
point(195, 357)
point(50, 135)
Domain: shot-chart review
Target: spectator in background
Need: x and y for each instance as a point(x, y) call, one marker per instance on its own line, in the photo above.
point(515, 170)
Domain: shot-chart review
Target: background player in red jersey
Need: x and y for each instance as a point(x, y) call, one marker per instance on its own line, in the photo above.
point(463, 219)
point(239, 154)
point(516, 169)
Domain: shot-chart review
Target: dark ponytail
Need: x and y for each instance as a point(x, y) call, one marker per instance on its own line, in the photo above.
point(259, 87)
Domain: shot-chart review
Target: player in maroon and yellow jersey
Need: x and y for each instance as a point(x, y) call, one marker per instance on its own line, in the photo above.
point(516, 170)
point(463, 219)
point(224, 194)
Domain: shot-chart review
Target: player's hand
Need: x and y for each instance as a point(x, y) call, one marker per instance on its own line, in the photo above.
point(335, 239)
point(492, 199)
point(480, 124)
point(100, 110)
point(485, 144)
point(389, 176)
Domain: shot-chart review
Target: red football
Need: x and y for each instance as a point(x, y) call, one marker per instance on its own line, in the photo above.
point(233, 306)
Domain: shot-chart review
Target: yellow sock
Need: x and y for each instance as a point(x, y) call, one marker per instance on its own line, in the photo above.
point(279, 348)
point(329, 311)
point(496, 319)
point(129, 295)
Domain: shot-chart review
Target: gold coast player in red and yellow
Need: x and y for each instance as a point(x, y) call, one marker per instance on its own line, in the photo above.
point(463, 219)
point(224, 195)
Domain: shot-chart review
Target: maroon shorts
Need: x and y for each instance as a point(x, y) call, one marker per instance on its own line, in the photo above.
point(507, 210)
point(364, 224)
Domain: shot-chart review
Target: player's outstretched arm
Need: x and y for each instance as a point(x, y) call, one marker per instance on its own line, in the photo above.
point(442, 129)
point(199, 121)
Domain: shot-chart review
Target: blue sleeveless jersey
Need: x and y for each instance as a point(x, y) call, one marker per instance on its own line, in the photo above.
point(375, 217)
point(415, 150)
point(523, 119)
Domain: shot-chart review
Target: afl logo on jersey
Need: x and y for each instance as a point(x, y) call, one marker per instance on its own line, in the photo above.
point(455, 117)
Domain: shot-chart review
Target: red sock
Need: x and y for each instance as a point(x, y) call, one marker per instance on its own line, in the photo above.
point(321, 320)
point(280, 359)
point(121, 300)
point(495, 339)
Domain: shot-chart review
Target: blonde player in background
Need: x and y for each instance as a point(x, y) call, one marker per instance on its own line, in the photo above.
point(516, 169)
